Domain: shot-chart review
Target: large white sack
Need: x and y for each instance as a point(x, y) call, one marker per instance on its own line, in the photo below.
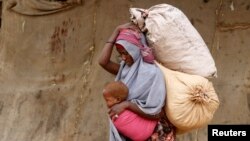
point(175, 41)
point(191, 100)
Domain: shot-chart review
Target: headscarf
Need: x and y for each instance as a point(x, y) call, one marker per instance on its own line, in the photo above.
point(145, 81)
point(138, 39)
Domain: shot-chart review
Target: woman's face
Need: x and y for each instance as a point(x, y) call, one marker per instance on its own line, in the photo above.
point(126, 57)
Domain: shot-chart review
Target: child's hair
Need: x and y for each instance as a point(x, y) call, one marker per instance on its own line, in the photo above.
point(116, 89)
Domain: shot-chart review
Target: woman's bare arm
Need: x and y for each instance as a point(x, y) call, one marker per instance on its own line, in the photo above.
point(118, 108)
point(104, 59)
point(133, 107)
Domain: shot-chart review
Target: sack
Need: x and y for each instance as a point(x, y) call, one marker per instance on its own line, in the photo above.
point(175, 42)
point(191, 100)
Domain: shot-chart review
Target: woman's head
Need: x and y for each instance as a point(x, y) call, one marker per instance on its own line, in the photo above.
point(128, 51)
point(125, 56)
point(115, 92)
point(128, 45)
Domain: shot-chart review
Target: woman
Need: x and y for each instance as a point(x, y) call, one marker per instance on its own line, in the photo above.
point(143, 78)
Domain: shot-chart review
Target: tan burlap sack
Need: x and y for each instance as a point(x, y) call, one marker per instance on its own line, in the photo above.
point(191, 100)
point(175, 41)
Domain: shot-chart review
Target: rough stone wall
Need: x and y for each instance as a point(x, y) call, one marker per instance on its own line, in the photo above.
point(51, 83)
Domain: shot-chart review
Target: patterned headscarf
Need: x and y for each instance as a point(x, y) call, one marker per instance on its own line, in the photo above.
point(139, 40)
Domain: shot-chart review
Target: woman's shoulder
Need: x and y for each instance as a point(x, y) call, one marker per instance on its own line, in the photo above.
point(151, 68)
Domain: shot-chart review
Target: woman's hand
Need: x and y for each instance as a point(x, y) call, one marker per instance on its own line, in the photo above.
point(117, 109)
point(128, 25)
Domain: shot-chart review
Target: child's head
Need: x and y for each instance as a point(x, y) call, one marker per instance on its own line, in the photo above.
point(115, 92)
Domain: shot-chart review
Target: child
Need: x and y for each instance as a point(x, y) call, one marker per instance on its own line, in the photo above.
point(127, 123)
